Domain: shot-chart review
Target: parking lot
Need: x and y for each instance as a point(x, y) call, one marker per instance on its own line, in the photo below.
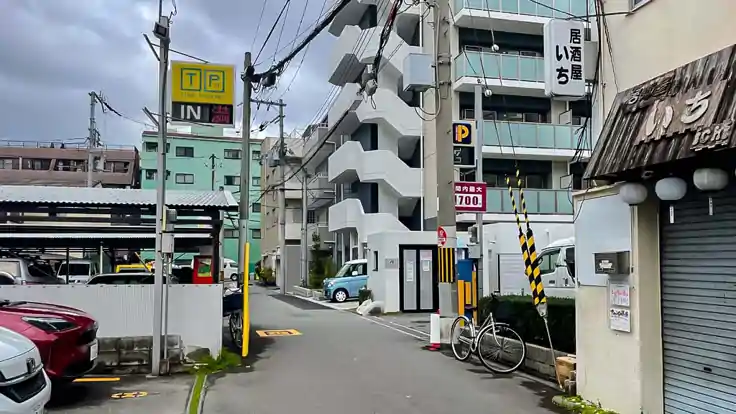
point(130, 394)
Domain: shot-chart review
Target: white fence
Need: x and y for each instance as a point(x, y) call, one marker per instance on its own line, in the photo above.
point(195, 311)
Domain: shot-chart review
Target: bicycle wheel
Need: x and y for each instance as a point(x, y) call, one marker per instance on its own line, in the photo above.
point(501, 349)
point(461, 337)
point(235, 323)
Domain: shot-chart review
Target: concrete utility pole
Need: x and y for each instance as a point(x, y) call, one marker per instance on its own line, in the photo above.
point(479, 125)
point(305, 249)
point(446, 217)
point(282, 199)
point(213, 157)
point(92, 139)
point(244, 170)
point(161, 30)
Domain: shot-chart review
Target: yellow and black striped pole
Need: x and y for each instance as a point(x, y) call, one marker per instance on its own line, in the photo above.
point(535, 280)
point(530, 264)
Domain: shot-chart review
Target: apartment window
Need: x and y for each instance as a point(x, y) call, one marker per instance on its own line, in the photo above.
point(185, 152)
point(255, 181)
point(232, 233)
point(117, 166)
point(311, 216)
point(185, 178)
point(153, 147)
point(256, 233)
point(232, 180)
point(36, 164)
point(232, 154)
point(9, 164)
point(150, 174)
point(256, 207)
point(256, 155)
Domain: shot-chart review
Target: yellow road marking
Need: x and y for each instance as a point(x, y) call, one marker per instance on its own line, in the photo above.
point(278, 332)
point(124, 395)
point(97, 379)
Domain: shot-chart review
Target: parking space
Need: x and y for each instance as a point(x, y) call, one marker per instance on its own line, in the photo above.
point(162, 395)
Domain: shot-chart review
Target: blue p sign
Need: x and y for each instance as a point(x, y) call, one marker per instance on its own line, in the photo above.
point(462, 134)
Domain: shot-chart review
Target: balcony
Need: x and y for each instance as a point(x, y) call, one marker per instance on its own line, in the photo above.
point(537, 201)
point(504, 74)
point(321, 193)
point(518, 16)
point(350, 15)
point(386, 109)
point(548, 141)
point(349, 214)
point(347, 100)
point(351, 163)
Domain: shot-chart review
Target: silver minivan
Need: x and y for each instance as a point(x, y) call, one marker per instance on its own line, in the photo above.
point(28, 273)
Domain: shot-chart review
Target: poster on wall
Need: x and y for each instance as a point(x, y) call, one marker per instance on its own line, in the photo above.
point(409, 276)
point(619, 294)
point(620, 319)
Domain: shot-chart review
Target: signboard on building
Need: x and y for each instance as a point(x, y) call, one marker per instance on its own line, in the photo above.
point(470, 197)
point(564, 72)
point(202, 93)
point(441, 237)
point(463, 145)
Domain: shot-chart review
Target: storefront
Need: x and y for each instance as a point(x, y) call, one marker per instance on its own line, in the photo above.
point(658, 335)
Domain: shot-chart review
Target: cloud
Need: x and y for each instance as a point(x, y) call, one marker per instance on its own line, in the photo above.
point(56, 52)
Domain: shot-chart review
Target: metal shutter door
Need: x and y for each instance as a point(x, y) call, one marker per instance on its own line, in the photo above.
point(698, 260)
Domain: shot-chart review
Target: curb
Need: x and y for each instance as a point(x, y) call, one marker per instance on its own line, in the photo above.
point(197, 395)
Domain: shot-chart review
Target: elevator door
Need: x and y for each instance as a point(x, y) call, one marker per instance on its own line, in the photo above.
point(418, 289)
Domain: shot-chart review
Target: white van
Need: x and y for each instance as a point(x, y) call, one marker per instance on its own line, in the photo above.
point(23, 375)
point(80, 271)
point(557, 267)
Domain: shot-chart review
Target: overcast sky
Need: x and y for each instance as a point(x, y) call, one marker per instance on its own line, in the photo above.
point(54, 52)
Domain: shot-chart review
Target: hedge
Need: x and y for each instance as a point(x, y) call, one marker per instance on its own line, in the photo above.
point(520, 313)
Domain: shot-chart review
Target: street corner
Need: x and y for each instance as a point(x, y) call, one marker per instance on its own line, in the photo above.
point(123, 395)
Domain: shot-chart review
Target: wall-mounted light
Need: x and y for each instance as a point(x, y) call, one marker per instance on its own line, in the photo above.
point(633, 193)
point(671, 189)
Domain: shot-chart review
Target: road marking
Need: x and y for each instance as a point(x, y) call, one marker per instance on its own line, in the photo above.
point(403, 326)
point(126, 395)
point(97, 379)
point(391, 327)
point(278, 332)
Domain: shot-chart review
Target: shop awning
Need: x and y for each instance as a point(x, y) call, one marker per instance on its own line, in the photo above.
point(669, 119)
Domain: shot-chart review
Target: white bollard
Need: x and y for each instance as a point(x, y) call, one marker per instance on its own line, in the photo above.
point(434, 331)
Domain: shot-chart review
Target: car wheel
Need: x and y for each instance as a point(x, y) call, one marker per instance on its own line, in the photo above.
point(340, 295)
point(234, 277)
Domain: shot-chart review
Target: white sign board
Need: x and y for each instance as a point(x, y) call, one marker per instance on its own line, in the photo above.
point(619, 294)
point(564, 72)
point(620, 319)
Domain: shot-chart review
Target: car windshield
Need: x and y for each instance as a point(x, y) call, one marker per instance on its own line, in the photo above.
point(10, 267)
point(343, 270)
point(348, 269)
point(131, 270)
point(74, 269)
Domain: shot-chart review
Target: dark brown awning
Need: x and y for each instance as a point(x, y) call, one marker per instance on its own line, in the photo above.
point(673, 117)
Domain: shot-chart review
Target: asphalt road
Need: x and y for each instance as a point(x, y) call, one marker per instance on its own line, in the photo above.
point(343, 363)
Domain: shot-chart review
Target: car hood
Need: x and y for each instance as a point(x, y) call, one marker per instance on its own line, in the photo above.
point(13, 344)
point(46, 309)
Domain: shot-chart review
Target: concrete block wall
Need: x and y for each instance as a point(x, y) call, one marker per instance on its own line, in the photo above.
point(132, 355)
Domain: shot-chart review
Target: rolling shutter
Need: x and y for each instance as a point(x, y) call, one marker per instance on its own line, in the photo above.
point(698, 264)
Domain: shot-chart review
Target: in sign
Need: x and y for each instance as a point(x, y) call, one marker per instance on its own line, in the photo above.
point(470, 197)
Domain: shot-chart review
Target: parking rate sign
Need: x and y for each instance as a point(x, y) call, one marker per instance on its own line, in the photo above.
point(470, 197)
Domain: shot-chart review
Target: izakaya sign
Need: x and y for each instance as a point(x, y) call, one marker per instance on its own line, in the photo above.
point(564, 49)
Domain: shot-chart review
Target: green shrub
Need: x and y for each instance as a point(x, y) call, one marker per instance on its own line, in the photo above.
point(520, 313)
point(267, 277)
point(320, 265)
point(364, 294)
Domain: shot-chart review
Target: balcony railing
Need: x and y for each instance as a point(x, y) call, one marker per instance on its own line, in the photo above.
point(493, 65)
point(537, 201)
point(533, 135)
point(539, 8)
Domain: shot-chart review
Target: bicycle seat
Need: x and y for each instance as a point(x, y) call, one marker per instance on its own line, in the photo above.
point(471, 307)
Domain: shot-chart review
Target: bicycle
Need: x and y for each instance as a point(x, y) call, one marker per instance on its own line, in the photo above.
point(490, 334)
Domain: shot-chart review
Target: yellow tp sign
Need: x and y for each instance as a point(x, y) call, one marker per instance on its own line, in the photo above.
point(202, 83)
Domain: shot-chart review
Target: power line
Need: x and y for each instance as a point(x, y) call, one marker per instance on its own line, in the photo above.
point(273, 27)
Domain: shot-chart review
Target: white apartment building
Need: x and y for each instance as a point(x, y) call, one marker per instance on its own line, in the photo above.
point(384, 166)
point(668, 346)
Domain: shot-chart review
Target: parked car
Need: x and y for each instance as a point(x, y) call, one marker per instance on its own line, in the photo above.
point(24, 387)
point(79, 270)
point(230, 269)
point(66, 337)
point(28, 272)
point(140, 278)
point(134, 268)
point(347, 282)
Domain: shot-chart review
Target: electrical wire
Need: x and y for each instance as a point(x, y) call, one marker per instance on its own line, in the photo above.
point(273, 27)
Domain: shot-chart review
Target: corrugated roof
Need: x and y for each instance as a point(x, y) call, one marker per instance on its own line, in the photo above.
point(96, 236)
point(112, 196)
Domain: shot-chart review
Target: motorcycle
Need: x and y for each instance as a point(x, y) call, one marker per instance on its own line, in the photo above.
point(232, 308)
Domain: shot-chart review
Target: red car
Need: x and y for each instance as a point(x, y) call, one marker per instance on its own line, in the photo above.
point(66, 337)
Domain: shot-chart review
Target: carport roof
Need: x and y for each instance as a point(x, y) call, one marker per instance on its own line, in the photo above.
point(112, 196)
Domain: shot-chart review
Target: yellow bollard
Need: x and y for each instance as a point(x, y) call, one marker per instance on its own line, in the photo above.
point(246, 309)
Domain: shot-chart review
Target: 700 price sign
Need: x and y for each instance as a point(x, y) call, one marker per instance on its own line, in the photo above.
point(470, 197)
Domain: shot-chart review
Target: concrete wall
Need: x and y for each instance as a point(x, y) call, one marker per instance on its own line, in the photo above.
point(385, 282)
point(195, 311)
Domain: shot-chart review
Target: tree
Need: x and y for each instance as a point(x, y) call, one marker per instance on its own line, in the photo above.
point(320, 265)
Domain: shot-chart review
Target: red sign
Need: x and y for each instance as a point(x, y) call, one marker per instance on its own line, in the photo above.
point(470, 197)
point(441, 237)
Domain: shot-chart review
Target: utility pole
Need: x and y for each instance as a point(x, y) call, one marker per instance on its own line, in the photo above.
point(479, 125)
point(282, 199)
point(213, 157)
point(305, 249)
point(161, 31)
point(446, 217)
point(244, 170)
point(92, 139)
